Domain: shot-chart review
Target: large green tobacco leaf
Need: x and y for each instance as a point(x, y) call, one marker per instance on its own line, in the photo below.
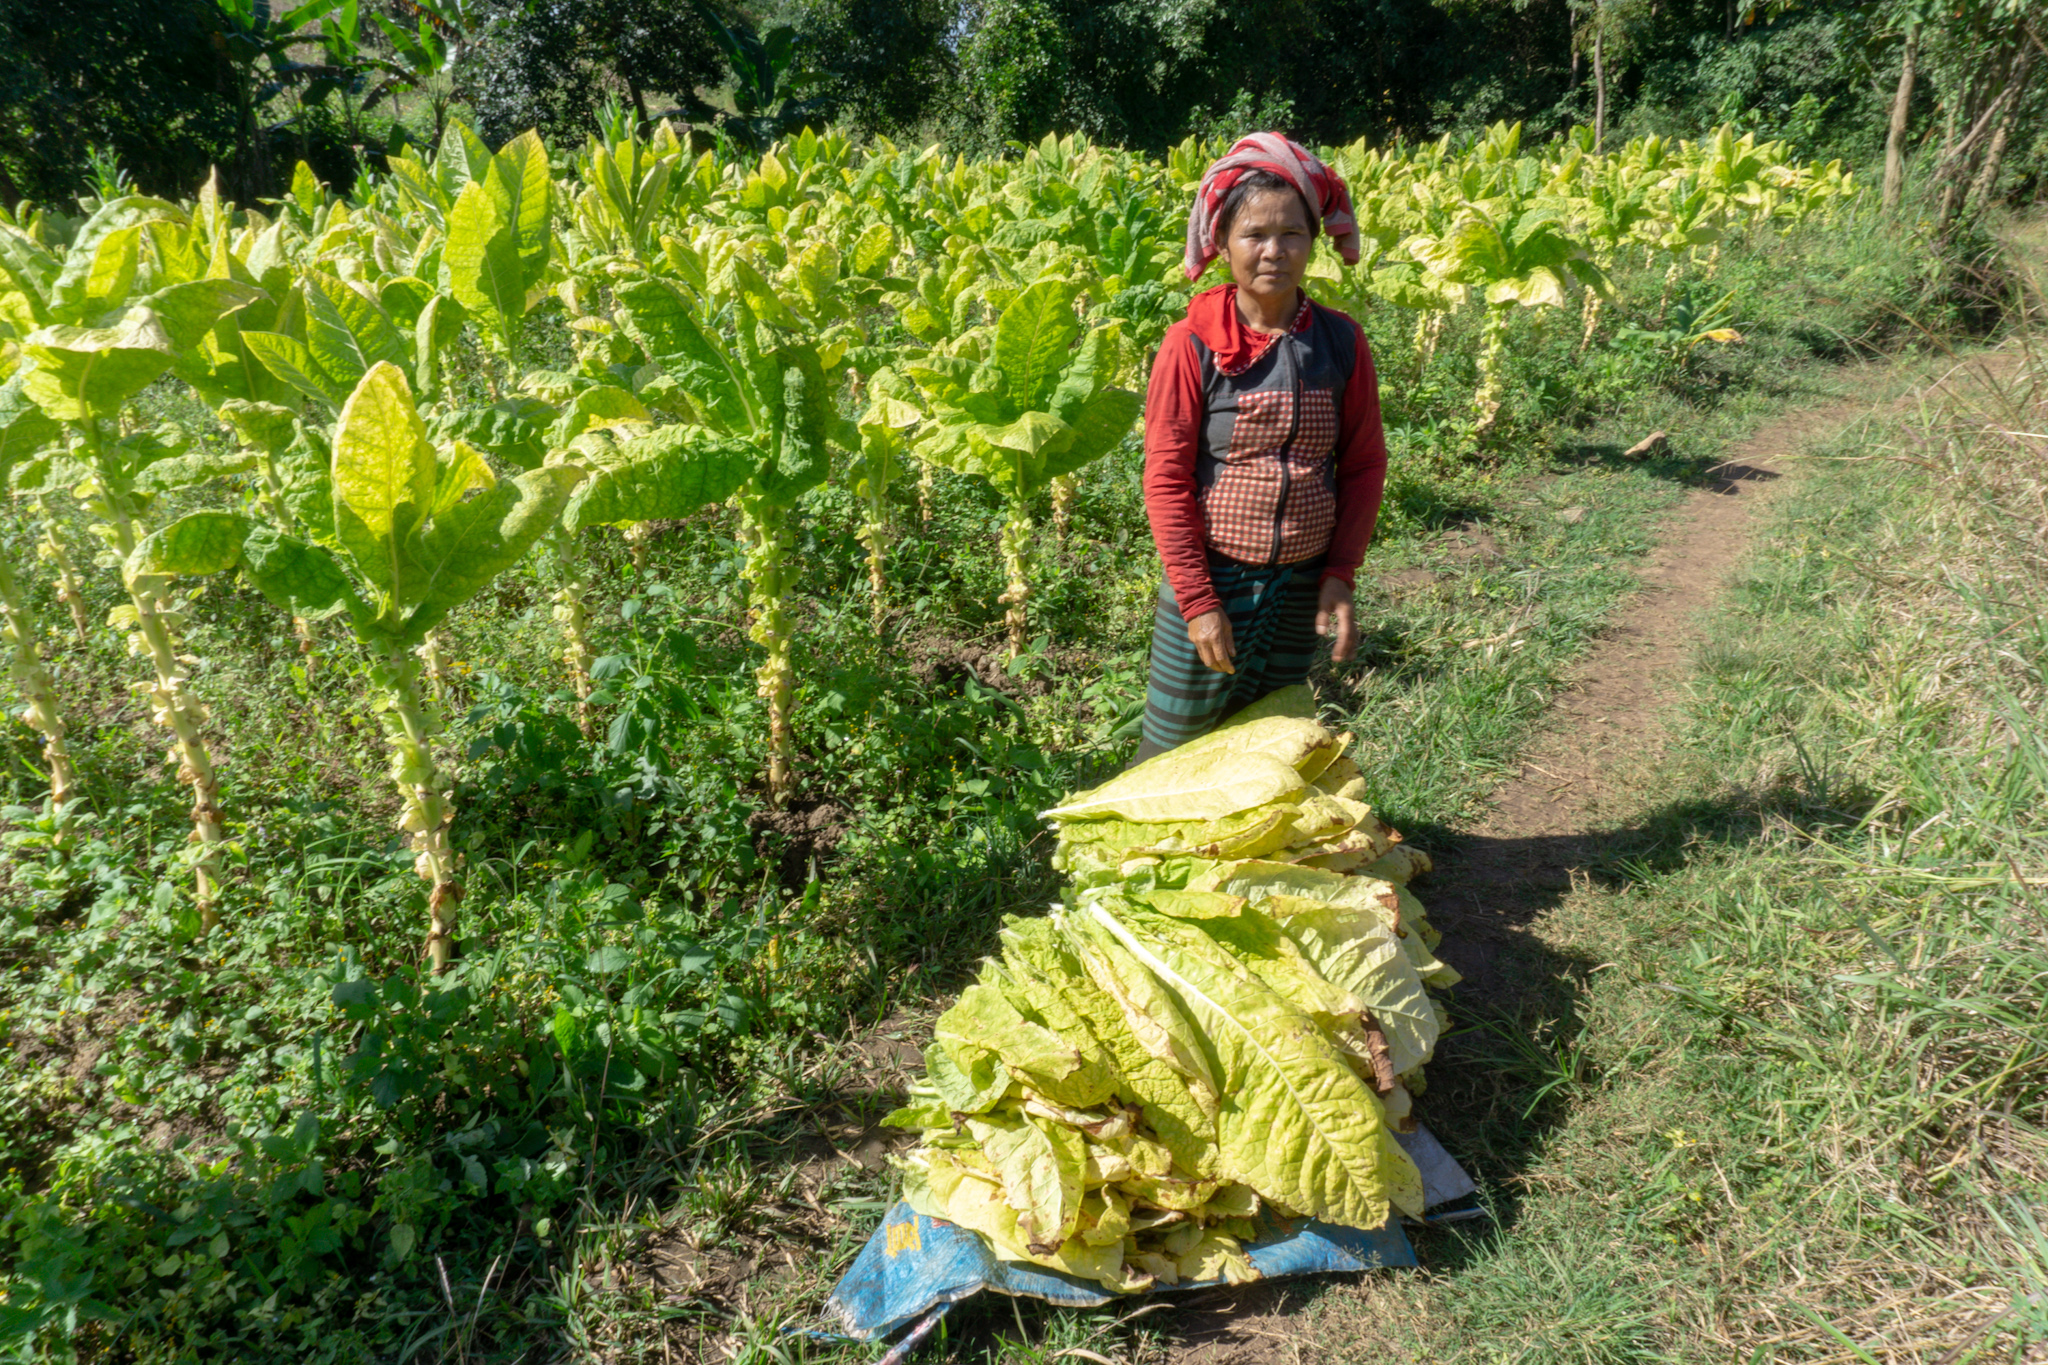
point(1098, 428)
point(464, 548)
point(671, 472)
point(383, 472)
point(346, 333)
point(519, 183)
point(291, 360)
point(1355, 952)
point(1294, 1121)
point(197, 543)
point(24, 427)
point(86, 372)
point(480, 262)
point(188, 312)
point(1033, 339)
point(303, 579)
point(661, 319)
point(985, 1022)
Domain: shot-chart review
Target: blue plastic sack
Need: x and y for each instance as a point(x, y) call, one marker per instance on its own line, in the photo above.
point(913, 1264)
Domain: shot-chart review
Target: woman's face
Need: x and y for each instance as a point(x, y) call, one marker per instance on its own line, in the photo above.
point(1269, 243)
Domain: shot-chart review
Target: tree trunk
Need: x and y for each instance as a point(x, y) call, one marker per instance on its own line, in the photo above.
point(1895, 139)
point(1599, 88)
point(1986, 183)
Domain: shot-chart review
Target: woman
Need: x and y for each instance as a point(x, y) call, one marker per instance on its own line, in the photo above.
point(1264, 457)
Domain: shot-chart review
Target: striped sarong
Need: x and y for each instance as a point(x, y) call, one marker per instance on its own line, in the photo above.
point(1273, 624)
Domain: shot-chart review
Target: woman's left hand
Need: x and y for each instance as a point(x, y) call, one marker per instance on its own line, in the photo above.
point(1334, 617)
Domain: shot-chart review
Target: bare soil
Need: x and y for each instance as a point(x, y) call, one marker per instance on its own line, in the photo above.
point(1559, 813)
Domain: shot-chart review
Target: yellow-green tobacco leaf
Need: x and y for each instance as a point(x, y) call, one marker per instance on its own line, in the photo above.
point(1295, 703)
point(1047, 1002)
point(1420, 940)
point(518, 181)
point(1192, 905)
point(928, 1112)
point(1105, 1218)
point(1358, 956)
point(1171, 1193)
point(197, 543)
point(1034, 339)
point(1170, 1108)
point(673, 471)
point(972, 1088)
point(480, 263)
point(1042, 1165)
point(460, 472)
point(1153, 1014)
point(1341, 778)
point(86, 372)
point(383, 473)
point(1295, 1122)
point(460, 551)
point(1217, 1256)
point(189, 311)
point(291, 360)
point(1203, 785)
point(981, 1207)
point(987, 1017)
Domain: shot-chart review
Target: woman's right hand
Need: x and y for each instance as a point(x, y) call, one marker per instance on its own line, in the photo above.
point(1211, 633)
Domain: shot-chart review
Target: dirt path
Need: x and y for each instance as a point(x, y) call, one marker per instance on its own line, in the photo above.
point(1578, 781)
point(1584, 772)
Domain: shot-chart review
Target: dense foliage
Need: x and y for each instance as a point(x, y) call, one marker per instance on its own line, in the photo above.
point(351, 469)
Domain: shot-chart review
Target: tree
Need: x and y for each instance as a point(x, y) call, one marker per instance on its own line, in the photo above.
point(880, 65)
point(549, 64)
point(141, 77)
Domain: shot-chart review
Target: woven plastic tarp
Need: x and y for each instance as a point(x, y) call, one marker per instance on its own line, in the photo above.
point(914, 1264)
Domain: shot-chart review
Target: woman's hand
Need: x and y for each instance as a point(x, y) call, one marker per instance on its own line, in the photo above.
point(1211, 633)
point(1334, 617)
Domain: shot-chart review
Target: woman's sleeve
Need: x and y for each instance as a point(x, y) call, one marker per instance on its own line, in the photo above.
point(1173, 416)
point(1361, 467)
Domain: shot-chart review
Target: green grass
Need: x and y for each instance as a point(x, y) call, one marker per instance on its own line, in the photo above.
point(1803, 1116)
point(287, 1144)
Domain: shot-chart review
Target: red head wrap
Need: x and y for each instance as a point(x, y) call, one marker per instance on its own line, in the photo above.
point(1322, 187)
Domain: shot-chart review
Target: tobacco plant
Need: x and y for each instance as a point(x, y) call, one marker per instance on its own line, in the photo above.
point(410, 533)
point(1034, 408)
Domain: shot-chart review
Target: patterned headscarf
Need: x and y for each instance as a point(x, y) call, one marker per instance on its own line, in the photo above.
point(1319, 185)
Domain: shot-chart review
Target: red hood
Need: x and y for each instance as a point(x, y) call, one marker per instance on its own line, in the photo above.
point(1213, 316)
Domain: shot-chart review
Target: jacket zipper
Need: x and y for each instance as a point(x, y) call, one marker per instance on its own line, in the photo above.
point(1293, 429)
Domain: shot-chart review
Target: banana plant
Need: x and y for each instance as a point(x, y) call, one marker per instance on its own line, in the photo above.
point(410, 533)
point(81, 377)
point(760, 361)
point(1036, 407)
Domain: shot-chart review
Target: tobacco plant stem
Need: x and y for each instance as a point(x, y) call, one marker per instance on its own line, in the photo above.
point(769, 539)
point(574, 620)
point(1017, 565)
point(1064, 490)
point(172, 704)
point(70, 591)
point(182, 713)
point(1492, 346)
point(32, 680)
point(409, 728)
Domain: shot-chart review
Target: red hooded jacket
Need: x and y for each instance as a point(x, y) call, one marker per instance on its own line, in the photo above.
point(1261, 448)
